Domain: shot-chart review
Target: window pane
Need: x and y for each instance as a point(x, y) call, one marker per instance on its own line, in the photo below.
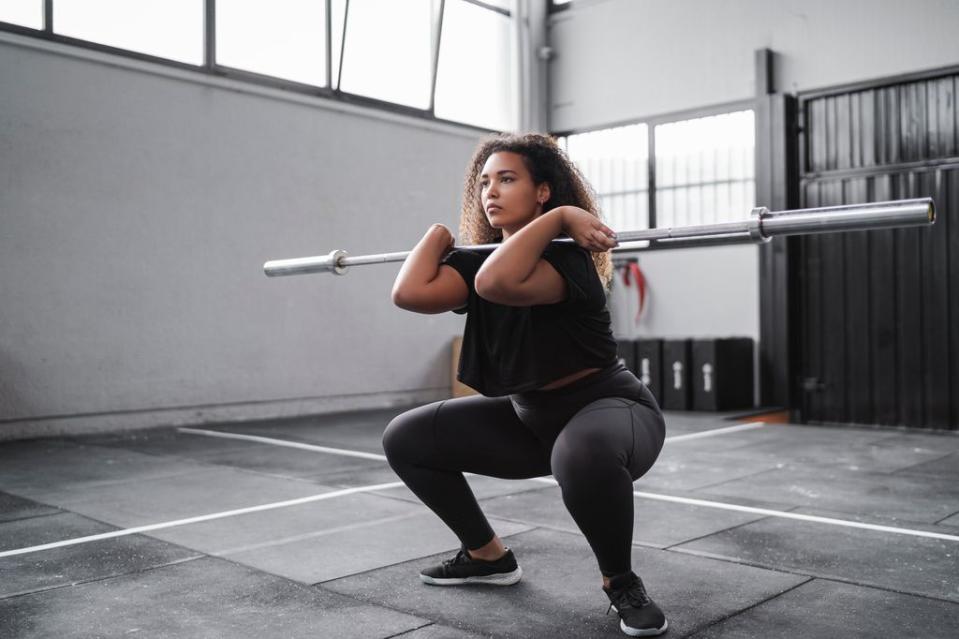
point(283, 38)
point(26, 13)
point(166, 28)
point(388, 50)
point(704, 170)
point(474, 82)
point(616, 163)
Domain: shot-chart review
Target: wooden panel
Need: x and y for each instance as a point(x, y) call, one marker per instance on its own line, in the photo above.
point(946, 117)
point(909, 312)
point(842, 133)
point(908, 123)
point(867, 124)
point(832, 137)
point(922, 119)
point(893, 126)
point(816, 119)
point(855, 130)
point(856, 269)
point(882, 313)
point(935, 286)
point(811, 278)
point(833, 312)
point(949, 206)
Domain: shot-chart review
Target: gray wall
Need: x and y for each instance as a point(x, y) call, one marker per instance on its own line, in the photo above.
point(138, 203)
point(137, 206)
point(622, 60)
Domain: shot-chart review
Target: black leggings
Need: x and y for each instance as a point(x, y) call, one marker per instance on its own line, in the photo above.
point(595, 436)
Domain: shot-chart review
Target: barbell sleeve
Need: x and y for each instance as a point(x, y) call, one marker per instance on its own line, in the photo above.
point(762, 226)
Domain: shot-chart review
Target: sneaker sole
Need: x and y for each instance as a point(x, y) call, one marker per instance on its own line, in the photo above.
point(641, 632)
point(501, 579)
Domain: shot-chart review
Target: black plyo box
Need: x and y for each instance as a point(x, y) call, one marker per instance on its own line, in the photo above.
point(649, 366)
point(677, 357)
point(722, 373)
point(626, 350)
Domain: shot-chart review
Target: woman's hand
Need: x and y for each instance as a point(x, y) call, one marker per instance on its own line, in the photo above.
point(587, 230)
point(443, 236)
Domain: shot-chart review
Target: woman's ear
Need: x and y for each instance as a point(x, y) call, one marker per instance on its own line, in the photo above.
point(543, 193)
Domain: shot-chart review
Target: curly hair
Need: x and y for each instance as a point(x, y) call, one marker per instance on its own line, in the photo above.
point(546, 162)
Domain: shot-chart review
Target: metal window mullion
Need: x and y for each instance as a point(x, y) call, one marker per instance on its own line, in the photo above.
point(209, 34)
point(329, 44)
point(346, 22)
point(436, 57)
point(48, 16)
point(651, 172)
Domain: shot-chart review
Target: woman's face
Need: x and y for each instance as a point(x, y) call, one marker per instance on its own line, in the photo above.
point(509, 197)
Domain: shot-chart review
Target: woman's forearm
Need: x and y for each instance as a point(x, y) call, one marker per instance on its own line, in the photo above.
point(423, 263)
point(514, 261)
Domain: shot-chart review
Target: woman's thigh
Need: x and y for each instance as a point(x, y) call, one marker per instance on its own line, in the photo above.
point(474, 434)
point(613, 430)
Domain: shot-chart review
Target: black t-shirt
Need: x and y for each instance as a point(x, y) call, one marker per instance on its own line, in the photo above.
point(513, 349)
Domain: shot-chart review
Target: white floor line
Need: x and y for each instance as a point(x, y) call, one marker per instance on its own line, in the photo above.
point(779, 513)
point(282, 442)
point(716, 431)
point(194, 520)
point(313, 535)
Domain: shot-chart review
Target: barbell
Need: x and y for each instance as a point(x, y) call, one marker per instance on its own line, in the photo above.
point(762, 226)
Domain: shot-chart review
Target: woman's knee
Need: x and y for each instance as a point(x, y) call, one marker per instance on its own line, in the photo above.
point(591, 443)
point(409, 433)
point(649, 434)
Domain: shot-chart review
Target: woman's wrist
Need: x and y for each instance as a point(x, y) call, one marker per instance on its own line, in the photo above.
point(560, 213)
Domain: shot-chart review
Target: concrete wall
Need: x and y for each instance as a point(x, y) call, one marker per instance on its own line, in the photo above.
point(137, 206)
point(621, 60)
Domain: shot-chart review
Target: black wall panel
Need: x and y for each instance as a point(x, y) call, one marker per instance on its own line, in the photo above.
point(879, 310)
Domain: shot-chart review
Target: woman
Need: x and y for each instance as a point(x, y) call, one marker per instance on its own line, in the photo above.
point(537, 345)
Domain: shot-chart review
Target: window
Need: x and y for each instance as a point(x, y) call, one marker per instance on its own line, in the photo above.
point(449, 59)
point(26, 13)
point(170, 29)
point(282, 38)
point(704, 170)
point(616, 164)
point(388, 52)
point(474, 82)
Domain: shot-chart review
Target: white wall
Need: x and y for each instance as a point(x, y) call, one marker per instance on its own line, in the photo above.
point(676, 287)
point(137, 206)
point(623, 59)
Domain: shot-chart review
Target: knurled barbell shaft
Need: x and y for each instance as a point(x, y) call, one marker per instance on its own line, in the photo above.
point(762, 226)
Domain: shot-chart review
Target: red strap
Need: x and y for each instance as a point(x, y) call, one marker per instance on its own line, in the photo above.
point(632, 269)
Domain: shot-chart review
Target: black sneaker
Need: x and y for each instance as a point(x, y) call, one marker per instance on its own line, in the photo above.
point(463, 569)
point(639, 615)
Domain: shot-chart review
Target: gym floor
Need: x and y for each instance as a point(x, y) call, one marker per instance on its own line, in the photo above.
point(299, 528)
